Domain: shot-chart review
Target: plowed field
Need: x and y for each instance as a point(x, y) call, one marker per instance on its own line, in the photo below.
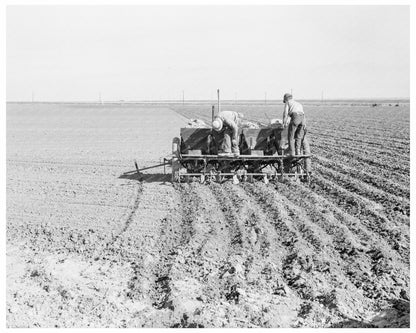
point(88, 244)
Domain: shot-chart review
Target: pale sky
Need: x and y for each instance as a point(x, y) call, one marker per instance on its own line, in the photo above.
point(71, 53)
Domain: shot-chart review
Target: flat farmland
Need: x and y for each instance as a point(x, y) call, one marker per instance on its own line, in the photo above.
point(88, 244)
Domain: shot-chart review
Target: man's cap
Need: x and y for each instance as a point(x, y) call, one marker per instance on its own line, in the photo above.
point(286, 97)
point(217, 124)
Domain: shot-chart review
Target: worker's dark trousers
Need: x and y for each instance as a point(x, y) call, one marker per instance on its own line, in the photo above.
point(296, 132)
point(226, 145)
point(306, 151)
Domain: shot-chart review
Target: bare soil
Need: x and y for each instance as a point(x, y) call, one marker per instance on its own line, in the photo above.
point(90, 245)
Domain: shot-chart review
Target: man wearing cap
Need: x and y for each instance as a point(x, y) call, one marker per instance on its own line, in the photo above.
point(227, 122)
point(294, 117)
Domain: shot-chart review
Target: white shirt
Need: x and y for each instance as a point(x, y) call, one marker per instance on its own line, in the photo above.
point(294, 107)
point(228, 117)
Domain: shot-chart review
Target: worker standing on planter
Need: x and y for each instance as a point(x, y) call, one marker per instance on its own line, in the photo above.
point(294, 117)
point(227, 123)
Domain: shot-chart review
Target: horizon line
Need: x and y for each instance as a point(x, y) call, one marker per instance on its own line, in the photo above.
point(210, 100)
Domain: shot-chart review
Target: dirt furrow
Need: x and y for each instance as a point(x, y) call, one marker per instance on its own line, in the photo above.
point(370, 264)
point(341, 158)
point(186, 282)
point(259, 272)
point(394, 207)
point(400, 143)
point(375, 180)
point(397, 166)
point(368, 213)
point(203, 261)
point(357, 146)
point(311, 272)
point(176, 232)
point(244, 257)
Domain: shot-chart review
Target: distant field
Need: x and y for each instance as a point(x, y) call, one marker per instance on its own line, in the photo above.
point(240, 102)
point(88, 245)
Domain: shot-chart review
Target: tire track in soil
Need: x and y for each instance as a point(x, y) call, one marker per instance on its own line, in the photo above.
point(151, 269)
point(173, 243)
point(397, 236)
point(150, 232)
point(311, 272)
point(372, 266)
point(90, 243)
point(113, 247)
point(132, 211)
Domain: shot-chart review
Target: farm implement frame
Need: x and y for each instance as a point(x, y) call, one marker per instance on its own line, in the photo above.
point(264, 156)
point(240, 168)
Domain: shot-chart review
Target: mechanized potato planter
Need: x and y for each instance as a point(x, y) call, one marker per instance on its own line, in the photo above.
point(263, 156)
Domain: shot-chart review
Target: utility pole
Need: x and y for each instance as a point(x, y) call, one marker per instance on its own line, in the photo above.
point(291, 91)
point(218, 101)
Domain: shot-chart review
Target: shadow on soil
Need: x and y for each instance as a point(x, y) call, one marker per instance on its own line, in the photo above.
point(146, 177)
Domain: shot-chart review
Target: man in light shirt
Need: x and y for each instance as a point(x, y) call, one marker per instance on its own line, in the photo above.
point(294, 117)
point(227, 123)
